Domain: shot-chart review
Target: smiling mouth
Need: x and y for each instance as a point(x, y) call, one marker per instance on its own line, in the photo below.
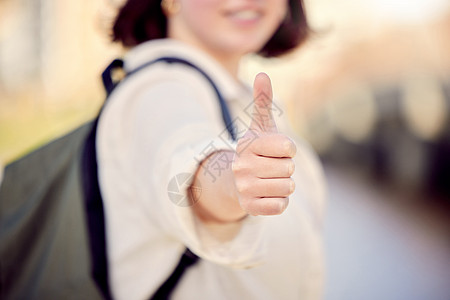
point(247, 15)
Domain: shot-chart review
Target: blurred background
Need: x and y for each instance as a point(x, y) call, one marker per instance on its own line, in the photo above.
point(370, 91)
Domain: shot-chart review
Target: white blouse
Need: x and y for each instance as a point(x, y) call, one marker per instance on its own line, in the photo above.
point(157, 126)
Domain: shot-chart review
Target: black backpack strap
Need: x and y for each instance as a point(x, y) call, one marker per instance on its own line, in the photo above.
point(165, 290)
point(93, 199)
point(118, 64)
point(223, 106)
point(95, 214)
point(107, 75)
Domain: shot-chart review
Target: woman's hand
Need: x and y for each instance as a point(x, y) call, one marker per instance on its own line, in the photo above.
point(258, 181)
point(263, 163)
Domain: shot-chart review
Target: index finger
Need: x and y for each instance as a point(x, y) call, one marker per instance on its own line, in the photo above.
point(273, 145)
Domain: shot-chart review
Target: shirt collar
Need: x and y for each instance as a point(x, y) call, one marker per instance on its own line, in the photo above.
point(230, 88)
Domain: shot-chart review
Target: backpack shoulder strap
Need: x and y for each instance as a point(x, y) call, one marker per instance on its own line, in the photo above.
point(94, 204)
point(107, 76)
point(118, 64)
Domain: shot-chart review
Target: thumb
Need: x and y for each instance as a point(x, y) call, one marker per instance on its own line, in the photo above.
point(262, 118)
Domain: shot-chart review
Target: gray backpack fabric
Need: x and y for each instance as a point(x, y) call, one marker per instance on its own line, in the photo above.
point(44, 248)
point(52, 233)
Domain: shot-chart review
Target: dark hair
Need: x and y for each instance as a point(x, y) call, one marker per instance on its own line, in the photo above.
point(142, 20)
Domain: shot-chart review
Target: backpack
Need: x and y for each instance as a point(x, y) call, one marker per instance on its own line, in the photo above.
point(52, 230)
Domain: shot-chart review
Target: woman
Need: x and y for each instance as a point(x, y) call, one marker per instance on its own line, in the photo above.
point(164, 125)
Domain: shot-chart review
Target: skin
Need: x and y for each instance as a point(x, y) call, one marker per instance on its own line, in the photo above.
point(258, 181)
point(215, 26)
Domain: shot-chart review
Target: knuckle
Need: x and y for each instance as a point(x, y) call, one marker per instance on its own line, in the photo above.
point(248, 205)
point(236, 166)
point(242, 186)
point(243, 202)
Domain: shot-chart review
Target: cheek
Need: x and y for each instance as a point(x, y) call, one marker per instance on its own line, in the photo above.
point(282, 7)
point(198, 12)
point(279, 9)
point(278, 12)
point(199, 7)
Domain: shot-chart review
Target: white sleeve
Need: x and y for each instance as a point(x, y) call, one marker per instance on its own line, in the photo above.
point(171, 127)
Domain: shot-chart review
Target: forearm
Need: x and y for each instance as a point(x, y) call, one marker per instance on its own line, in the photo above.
point(214, 190)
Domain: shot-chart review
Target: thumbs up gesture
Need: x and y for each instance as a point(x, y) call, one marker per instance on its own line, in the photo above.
point(263, 164)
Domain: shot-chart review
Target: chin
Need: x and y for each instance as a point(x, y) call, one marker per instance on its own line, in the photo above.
point(243, 47)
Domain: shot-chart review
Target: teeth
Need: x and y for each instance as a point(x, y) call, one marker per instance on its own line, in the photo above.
point(246, 15)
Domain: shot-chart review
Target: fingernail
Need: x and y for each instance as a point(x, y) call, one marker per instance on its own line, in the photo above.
point(290, 148)
point(291, 187)
point(281, 207)
point(291, 169)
